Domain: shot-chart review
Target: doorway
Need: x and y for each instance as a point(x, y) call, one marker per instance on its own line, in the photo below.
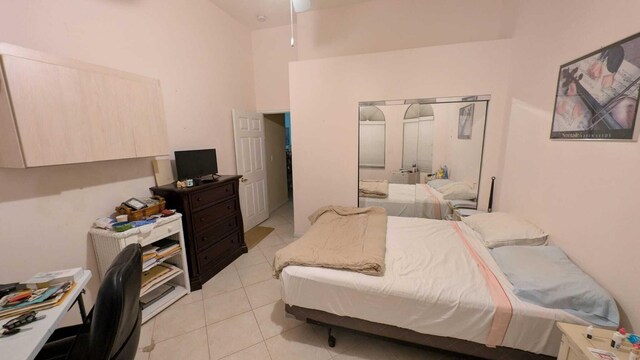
point(278, 148)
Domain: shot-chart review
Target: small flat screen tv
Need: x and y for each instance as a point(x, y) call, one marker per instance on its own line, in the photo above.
point(193, 164)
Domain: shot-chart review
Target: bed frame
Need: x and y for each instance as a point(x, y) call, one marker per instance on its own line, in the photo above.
point(409, 336)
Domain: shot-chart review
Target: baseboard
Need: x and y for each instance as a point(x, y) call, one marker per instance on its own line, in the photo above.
point(272, 209)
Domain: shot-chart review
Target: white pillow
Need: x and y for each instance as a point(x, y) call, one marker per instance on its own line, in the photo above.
point(502, 229)
point(457, 191)
point(438, 183)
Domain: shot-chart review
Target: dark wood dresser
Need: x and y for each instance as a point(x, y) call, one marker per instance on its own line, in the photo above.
point(212, 225)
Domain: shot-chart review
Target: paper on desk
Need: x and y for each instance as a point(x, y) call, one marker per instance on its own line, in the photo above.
point(603, 354)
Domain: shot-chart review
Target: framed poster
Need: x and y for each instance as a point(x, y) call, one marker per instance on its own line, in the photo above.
point(597, 94)
point(465, 122)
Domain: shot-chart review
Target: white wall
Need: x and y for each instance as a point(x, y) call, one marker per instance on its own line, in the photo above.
point(324, 103)
point(203, 60)
point(584, 193)
point(271, 56)
point(372, 26)
point(383, 25)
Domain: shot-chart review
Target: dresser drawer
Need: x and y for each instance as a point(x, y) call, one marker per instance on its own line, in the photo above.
point(213, 234)
point(208, 196)
point(219, 250)
point(204, 218)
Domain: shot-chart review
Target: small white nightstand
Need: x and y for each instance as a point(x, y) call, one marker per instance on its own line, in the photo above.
point(574, 344)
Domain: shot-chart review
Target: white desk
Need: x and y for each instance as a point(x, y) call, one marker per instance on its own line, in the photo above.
point(27, 343)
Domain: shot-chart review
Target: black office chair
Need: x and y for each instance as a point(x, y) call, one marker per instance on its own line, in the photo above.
point(112, 330)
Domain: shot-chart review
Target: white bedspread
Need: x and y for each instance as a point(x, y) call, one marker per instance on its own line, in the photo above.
point(431, 204)
point(431, 285)
point(400, 202)
point(411, 200)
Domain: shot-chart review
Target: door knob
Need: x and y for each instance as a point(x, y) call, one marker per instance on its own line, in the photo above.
point(244, 180)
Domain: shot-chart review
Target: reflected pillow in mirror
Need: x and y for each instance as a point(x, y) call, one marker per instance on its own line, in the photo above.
point(502, 229)
point(457, 191)
point(438, 183)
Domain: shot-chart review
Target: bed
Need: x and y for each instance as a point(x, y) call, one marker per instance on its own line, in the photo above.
point(411, 200)
point(432, 293)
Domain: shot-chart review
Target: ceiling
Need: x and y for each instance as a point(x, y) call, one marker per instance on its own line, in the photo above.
point(276, 11)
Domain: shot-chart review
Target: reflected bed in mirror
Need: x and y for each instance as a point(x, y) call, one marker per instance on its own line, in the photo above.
point(422, 157)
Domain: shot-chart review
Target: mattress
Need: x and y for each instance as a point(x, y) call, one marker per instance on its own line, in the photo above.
point(431, 285)
point(411, 200)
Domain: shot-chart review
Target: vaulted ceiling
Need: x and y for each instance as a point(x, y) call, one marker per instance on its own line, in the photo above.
point(276, 11)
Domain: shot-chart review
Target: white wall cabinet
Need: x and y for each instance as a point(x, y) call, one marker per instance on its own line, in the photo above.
point(56, 111)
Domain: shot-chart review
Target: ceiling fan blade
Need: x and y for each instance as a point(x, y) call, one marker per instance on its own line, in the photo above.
point(301, 5)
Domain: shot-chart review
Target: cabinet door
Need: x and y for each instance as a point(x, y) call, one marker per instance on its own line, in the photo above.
point(109, 115)
point(66, 115)
point(149, 127)
point(10, 151)
point(51, 115)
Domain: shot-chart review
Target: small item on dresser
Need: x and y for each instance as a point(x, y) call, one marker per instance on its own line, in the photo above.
point(590, 332)
point(140, 223)
point(168, 212)
point(147, 207)
point(618, 337)
point(135, 204)
point(189, 182)
point(181, 184)
point(122, 218)
point(122, 226)
point(103, 223)
point(635, 352)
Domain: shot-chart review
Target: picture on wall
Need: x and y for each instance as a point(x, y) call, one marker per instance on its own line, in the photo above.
point(465, 122)
point(597, 95)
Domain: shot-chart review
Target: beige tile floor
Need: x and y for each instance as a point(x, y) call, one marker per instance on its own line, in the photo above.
point(238, 315)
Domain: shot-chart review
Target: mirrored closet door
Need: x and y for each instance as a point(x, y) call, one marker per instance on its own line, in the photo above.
point(422, 157)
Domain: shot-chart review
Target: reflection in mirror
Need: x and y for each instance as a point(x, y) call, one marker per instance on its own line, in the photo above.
point(372, 137)
point(421, 158)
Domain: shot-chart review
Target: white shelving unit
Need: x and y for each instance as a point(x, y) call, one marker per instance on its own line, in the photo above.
point(107, 244)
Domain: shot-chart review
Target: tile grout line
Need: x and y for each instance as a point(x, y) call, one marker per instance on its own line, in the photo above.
point(206, 328)
point(257, 323)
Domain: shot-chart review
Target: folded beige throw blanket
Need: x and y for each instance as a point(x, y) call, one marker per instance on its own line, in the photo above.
point(378, 189)
point(340, 237)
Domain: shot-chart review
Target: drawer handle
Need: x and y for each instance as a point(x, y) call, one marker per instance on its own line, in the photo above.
point(230, 224)
point(204, 238)
point(201, 219)
point(169, 229)
point(206, 258)
point(227, 189)
point(229, 207)
point(198, 199)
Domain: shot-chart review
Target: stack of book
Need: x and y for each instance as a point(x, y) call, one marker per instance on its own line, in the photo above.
point(42, 291)
point(157, 275)
point(158, 252)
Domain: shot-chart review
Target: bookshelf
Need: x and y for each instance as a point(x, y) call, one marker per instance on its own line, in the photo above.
point(107, 244)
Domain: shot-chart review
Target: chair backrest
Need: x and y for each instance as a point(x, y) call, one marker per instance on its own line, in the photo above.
point(116, 319)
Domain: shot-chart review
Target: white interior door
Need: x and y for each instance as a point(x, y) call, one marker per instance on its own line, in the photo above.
point(248, 132)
